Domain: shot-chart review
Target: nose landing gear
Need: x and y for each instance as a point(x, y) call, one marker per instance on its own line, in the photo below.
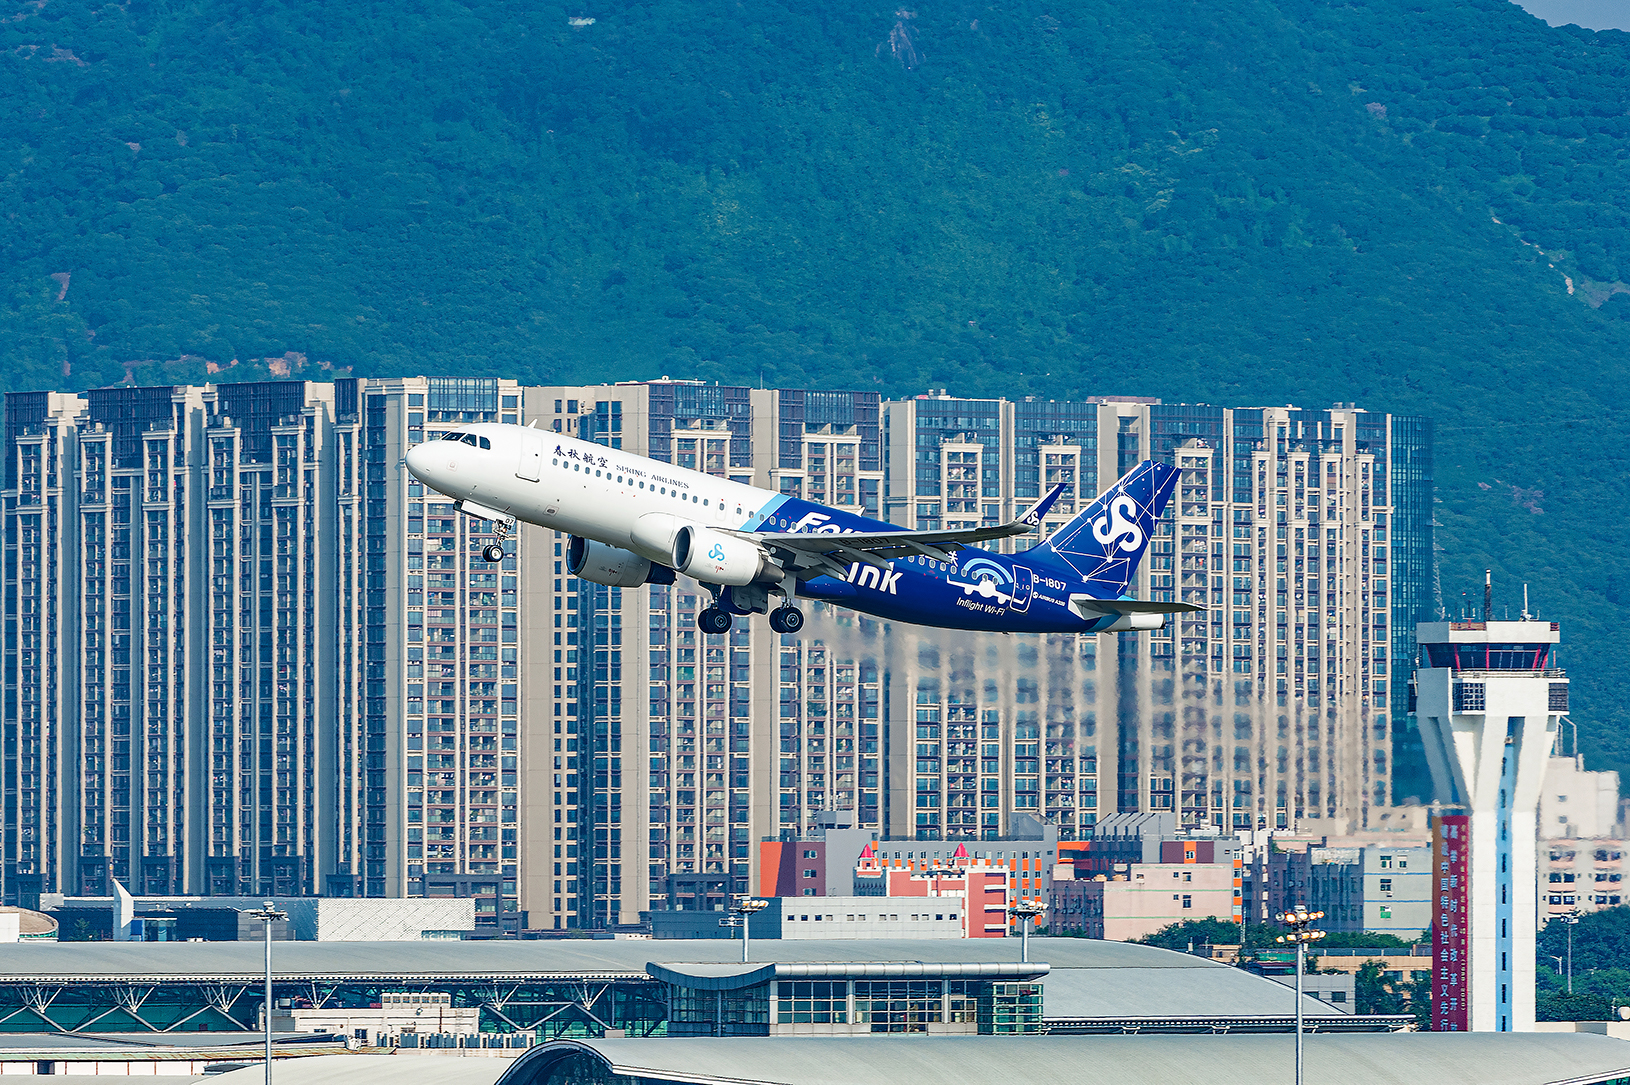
point(494, 552)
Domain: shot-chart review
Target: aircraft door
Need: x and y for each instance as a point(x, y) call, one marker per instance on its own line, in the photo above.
point(530, 466)
point(1024, 582)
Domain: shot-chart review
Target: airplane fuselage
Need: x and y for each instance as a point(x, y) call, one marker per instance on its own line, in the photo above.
point(637, 504)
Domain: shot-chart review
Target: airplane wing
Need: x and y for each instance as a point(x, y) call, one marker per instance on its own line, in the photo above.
point(834, 552)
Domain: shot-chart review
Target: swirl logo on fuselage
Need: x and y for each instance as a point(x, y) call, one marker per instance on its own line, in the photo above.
point(716, 553)
point(1117, 527)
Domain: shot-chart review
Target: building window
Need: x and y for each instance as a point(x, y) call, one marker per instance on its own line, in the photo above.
point(818, 1002)
point(899, 1005)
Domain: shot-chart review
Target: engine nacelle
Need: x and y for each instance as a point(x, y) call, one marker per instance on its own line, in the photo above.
point(612, 565)
point(1131, 623)
point(716, 558)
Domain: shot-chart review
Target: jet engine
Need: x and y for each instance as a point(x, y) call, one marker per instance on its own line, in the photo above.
point(716, 558)
point(612, 565)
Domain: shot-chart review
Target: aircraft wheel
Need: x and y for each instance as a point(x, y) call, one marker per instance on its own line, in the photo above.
point(786, 619)
point(713, 620)
point(493, 552)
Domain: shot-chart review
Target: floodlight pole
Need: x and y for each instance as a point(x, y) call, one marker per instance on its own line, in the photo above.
point(1300, 933)
point(1025, 911)
point(745, 907)
point(1301, 958)
point(267, 916)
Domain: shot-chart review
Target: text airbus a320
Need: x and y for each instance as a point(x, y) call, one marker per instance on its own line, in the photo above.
point(634, 520)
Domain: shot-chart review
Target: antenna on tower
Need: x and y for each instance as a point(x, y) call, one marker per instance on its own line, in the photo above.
point(1488, 593)
point(1525, 614)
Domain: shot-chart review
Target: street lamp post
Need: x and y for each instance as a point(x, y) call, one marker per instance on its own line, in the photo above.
point(1301, 934)
point(1025, 911)
point(745, 907)
point(1571, 920)
point(268, 915)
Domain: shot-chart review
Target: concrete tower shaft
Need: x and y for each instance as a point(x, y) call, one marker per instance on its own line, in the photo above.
point(1488, 699)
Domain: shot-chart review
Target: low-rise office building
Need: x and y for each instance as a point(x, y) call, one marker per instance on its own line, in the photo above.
point(1582, 840)
point(1140, 899)
point(123, 918)
point(1380, 888)
point(834, 860)
point(1581, 875)
point(398, 1013)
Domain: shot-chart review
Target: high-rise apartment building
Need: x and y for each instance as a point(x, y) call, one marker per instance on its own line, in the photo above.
point(251, 657)
point(1304, 534)
point(431, 716)
point(669, 753)
point(247, 653)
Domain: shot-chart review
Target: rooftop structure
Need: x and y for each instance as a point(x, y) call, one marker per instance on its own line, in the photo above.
point(894, 918)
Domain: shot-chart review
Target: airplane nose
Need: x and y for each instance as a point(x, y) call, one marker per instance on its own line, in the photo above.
point(424, 465)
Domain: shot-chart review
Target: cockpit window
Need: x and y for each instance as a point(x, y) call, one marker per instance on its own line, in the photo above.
point(470, 439)
point(452, 436)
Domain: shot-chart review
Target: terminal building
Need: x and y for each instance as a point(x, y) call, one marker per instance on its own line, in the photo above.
point(645, 987)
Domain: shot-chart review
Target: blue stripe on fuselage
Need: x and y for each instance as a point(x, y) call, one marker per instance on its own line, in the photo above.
point(978, 590)
point(794, 514)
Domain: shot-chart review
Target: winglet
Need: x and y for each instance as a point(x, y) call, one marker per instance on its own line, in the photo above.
point(1032, 516)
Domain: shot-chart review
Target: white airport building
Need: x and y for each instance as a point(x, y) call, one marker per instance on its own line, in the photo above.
point(1489, 699)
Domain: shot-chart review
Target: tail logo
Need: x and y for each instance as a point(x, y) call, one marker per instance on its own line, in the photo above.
point(1117, 527)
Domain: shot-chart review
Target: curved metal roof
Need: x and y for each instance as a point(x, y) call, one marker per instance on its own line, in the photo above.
point(1410, 1058)
point(1086, 978)
point(733, 977)
point(566, 957)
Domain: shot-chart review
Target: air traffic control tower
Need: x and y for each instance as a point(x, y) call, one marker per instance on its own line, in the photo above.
point(1488, 702)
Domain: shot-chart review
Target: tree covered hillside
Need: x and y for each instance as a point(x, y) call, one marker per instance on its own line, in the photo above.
point(1420, 205)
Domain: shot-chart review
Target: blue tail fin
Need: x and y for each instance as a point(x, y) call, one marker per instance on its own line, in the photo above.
point(1105, 542)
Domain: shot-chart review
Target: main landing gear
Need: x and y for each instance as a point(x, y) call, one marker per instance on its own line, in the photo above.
point(785, 619)
point(753, 599)
point(713, 620)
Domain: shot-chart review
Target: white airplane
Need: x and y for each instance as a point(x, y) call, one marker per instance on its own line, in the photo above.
point(634, 520)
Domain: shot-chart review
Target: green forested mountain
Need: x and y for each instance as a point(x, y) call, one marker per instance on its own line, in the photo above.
point(1420, 205)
